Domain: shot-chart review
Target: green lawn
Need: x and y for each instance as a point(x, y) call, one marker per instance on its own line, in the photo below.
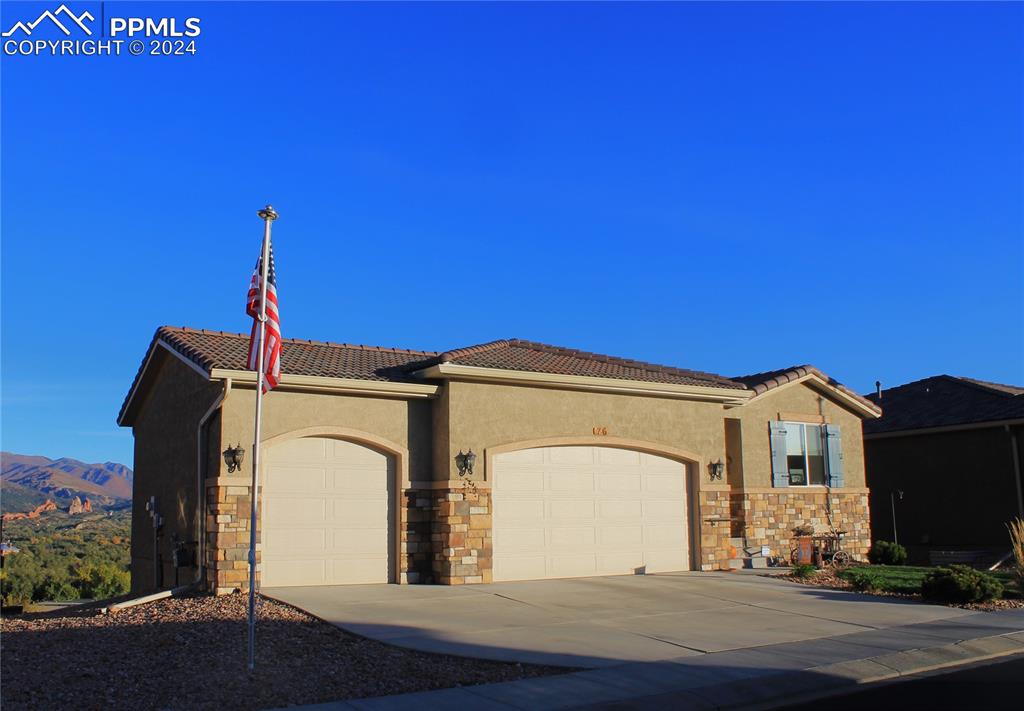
point(907, 578)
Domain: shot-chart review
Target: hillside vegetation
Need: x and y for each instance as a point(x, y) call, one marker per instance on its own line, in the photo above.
point(67, 557)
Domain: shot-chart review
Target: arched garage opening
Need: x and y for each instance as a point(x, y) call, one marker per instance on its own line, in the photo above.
point(584, 509)
point(327, 512)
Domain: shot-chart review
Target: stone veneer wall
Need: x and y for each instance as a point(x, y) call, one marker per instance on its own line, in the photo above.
point(446, 533)
point(461, 534)
point(227, 536)
point(419, 542)
point(768, 517)
point(715, 528)
point(226, 551)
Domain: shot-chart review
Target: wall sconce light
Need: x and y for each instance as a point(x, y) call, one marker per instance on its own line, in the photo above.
point(233, 457)
point(716, 469)
point(465, 462)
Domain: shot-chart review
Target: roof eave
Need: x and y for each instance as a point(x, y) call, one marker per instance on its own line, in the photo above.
point(318, 383)
point(865, 407)
point(444, 371)
point(157, 345)
point(938, 429)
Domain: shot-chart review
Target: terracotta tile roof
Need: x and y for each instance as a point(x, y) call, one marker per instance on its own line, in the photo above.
point(763, 382)
point(946, 401)
point(217, 349)
point(531, 357)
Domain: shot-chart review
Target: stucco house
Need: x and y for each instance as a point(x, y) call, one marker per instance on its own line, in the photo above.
point(948, 456)
point(584, 464)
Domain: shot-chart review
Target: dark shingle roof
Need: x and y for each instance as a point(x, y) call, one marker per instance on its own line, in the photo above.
point(532, 357)
point(945, 401)
point(763, 382)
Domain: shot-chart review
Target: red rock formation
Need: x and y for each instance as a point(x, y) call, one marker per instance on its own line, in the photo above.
point(34, 513)
point(78, 506)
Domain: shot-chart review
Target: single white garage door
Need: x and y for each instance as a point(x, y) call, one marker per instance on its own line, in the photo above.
point(325, 513)
point(563, 512)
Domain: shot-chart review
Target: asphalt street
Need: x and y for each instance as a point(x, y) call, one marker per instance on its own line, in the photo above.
point(998, 685)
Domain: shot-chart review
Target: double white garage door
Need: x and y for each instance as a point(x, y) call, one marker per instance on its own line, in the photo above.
point(558, 512)
point(564, 512)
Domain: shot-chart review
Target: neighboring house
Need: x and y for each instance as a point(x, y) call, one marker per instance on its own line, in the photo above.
point(952, 446)
point(585, 464)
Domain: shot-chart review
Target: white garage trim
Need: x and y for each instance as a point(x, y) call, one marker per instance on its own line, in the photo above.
point(660, 536)
point(398, 453)
point(661, 450)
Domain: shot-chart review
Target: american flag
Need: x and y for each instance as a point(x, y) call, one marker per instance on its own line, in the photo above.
point(272, 349)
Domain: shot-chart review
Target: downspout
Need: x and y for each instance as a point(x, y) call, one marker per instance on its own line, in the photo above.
point(828, 469)
point(1016, 470)
point(200, 489)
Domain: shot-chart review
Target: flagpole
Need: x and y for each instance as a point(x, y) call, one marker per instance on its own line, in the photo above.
point(268, 215)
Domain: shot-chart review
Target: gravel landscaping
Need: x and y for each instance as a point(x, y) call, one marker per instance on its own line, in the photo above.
point(190, 653)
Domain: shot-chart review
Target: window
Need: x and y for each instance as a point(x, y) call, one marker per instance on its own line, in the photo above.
point(799, 451)
point(805, 456)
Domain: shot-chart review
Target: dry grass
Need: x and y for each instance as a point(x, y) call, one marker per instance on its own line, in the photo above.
point(1017, 546)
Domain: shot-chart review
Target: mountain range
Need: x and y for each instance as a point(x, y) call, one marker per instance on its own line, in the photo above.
point(29, 480)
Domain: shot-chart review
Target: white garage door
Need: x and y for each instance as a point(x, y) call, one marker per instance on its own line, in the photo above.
point(562, 512)
point(325, 513)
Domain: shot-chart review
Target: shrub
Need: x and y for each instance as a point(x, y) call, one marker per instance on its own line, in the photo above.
point(102, 580)
point(863, 579)
point(886, 553)
point(56, 590)
point(804, 570)
point(803, 530)
point(959, 583)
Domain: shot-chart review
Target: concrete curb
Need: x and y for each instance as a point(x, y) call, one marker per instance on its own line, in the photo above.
point(876, 671)
point(689, 687)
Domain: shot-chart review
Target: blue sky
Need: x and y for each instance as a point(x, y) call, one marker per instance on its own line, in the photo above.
point(724, 187)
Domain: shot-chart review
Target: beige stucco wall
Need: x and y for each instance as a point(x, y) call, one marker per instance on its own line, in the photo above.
point(791, 401)
point(442, 460)
point(733, 451)
point(407, 423)
point(165, 464)
point(486, 418)
point(483, 416)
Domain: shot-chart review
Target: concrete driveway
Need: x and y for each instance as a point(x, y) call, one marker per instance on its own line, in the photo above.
point(594, 622)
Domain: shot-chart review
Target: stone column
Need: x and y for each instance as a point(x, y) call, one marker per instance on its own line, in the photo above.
point(714, 509)
point(461, 533)
point(417, 548)
point(227, 535)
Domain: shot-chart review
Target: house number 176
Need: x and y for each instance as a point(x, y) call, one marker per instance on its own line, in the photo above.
point(601, 430)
